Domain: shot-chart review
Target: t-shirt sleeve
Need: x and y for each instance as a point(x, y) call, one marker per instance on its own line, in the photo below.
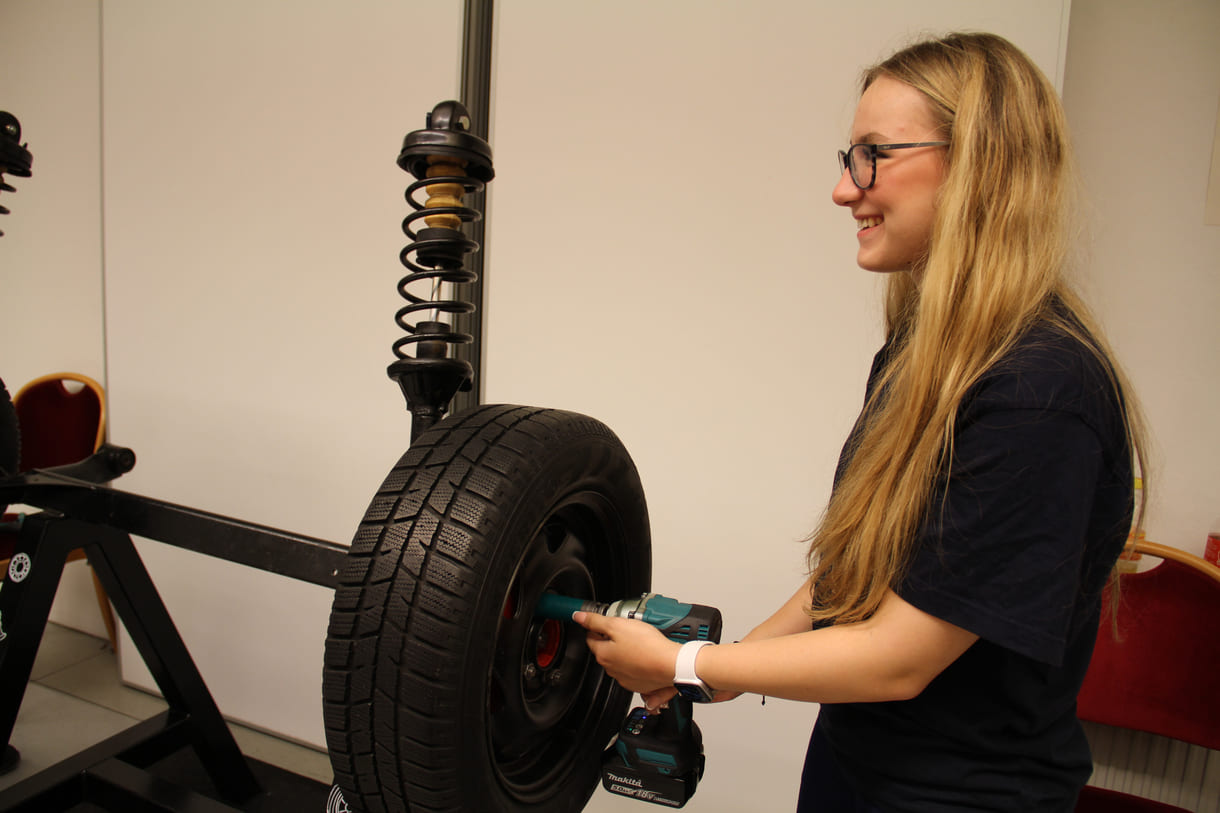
point(1000, 553)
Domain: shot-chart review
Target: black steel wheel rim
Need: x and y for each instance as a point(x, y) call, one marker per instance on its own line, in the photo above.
point(545, 689)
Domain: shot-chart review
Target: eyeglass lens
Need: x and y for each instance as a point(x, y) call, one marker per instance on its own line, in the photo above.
point(860, 162)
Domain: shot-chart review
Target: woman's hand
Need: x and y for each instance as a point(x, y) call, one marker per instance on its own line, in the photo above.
point(638, 656)
point(635, 654)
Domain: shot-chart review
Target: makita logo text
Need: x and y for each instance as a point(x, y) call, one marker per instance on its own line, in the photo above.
point(635, 783)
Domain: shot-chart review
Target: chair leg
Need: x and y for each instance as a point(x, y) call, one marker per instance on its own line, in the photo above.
point(103, 604)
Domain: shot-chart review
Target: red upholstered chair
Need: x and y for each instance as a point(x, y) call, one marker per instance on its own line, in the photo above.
point(1159, 674)
point(62, 419)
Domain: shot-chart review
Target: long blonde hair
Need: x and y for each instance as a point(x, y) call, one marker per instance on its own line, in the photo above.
point(1000, 242)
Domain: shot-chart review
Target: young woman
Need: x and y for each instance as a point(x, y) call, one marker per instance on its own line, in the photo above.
point(986, 490)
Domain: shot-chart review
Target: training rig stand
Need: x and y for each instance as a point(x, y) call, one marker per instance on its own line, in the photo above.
point(79, 511)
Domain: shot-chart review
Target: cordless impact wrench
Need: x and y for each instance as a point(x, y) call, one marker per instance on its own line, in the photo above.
point(658, 756)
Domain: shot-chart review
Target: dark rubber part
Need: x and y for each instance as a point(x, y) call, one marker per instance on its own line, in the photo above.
point(441, 691)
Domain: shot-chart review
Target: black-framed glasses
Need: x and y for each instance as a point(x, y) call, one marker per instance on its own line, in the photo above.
point(861, 159)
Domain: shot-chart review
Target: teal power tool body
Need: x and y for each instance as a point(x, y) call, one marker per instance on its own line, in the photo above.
point(657, 756)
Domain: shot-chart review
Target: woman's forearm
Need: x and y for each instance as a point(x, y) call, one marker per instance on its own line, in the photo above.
point(891, 656)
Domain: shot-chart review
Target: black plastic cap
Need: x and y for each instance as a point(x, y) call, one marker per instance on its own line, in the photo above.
point(15, 159)
point(447, 133)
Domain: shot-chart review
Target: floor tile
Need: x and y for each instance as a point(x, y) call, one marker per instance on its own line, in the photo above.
point(52, 726)
point(61, 648)
point(76, 699)
point(300, 759)
point(97, 681)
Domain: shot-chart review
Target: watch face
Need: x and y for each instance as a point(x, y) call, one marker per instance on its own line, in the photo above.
point(693, 692)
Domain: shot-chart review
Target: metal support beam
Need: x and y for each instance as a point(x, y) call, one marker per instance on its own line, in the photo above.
point(477, 31)
point(276, 551)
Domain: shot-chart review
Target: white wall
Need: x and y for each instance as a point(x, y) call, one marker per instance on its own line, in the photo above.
point(252, 231)
point(1142, 90)
point(50, 254)
point(662, 254)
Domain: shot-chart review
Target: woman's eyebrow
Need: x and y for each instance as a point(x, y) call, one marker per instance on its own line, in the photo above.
point(870, 138)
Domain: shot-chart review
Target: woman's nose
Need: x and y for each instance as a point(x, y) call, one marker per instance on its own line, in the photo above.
point(845, 192)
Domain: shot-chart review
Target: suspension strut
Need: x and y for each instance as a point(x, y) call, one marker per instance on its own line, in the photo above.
point(448, 162)
point(15, 159)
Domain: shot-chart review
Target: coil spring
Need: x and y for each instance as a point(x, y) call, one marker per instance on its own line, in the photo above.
point(447, 161)
point(436, 256)
point(15, 159)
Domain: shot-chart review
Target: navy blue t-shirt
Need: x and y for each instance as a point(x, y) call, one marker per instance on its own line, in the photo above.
point(1017, 547)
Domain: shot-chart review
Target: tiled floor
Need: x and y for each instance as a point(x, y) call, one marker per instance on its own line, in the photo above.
point(75, 699)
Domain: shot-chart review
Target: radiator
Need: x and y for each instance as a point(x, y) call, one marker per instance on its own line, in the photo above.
point(1155, 767)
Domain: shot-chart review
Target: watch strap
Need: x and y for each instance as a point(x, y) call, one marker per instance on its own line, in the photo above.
point(684, 669)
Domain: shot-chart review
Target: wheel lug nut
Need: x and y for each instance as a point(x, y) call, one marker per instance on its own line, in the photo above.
point(531, 671)
point(555, 678)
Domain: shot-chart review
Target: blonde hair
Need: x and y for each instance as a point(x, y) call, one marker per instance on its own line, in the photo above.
point(995, 263)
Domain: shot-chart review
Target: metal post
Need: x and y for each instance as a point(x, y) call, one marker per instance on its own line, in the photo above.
point(476, 96)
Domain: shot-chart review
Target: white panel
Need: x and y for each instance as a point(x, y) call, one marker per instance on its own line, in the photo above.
point(252, 233)
point(664, 255)
point(1151, 259)
point(50, 254)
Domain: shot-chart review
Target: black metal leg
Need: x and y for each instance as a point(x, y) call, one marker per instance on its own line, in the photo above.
point(82, 514)
point(26, 595)
point(139, 607)
point(97, 776)
point(25, 603)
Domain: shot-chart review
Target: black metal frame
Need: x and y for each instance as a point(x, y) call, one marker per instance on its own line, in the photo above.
point(81, 513)
point(846, 162)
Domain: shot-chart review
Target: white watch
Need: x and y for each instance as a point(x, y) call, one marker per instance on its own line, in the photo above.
point(686, 681)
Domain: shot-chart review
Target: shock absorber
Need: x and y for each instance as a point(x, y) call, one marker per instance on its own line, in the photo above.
point(448, 162)
point(15, 159)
